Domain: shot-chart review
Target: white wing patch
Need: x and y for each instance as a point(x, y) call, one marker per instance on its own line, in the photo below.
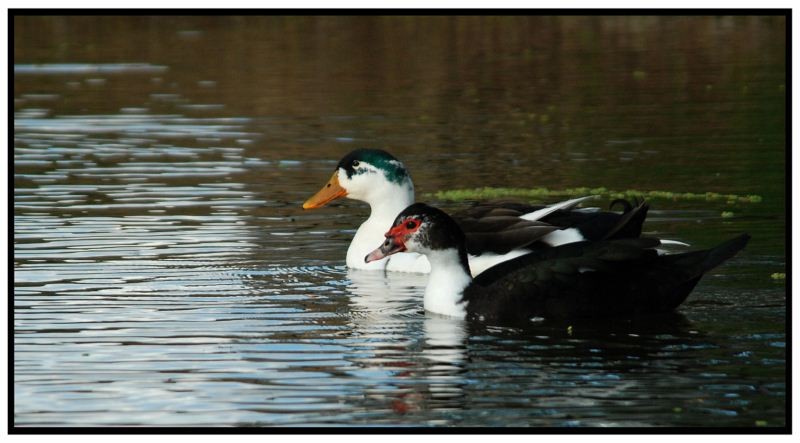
point(562, 237)
point(674, 242)
point(541, 213)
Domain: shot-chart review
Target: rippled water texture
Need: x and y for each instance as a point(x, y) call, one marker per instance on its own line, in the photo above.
point(165, 274)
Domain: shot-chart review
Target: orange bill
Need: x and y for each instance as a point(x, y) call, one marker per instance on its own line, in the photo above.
point(331, 191)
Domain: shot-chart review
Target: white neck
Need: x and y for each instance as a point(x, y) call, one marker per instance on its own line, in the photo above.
point(446, 284)
point(389, 202)
point(385, 203)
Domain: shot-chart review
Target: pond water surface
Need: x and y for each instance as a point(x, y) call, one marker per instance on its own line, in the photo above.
point(166, 275)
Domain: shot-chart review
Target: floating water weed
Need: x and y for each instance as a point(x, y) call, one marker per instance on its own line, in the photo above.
point(544, 193)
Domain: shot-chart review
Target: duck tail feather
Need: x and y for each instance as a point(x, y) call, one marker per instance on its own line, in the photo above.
point(697, 263)
point(717, 255)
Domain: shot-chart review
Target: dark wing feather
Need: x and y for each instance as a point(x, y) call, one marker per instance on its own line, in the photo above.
point(630, 222)
point(567, 251)
point(592, 279)
point(494, 223)
point(602, 225)
point(496, 227)
point(593, 225)
point(506, 240)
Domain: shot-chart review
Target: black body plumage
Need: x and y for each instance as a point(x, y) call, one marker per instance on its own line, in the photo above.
point(592, 279)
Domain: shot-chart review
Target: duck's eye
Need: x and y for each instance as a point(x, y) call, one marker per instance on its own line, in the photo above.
point(411, 224)
point(355, 163)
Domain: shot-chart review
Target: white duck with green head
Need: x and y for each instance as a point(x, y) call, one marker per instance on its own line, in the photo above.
point(377, 178)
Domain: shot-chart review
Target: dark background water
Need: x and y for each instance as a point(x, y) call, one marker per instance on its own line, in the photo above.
point(166, 275)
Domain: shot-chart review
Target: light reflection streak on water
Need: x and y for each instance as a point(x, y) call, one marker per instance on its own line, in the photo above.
point(85, 68)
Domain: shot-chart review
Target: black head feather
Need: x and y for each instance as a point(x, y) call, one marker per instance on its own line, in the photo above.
point(438, 231)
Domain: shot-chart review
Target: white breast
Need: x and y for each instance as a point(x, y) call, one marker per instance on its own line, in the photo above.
point(446, 284)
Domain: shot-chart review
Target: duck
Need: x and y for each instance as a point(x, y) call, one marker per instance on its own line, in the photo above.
point(586, 279)
point(496, 231)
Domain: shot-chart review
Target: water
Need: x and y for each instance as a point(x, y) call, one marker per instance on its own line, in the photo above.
point(165, 274)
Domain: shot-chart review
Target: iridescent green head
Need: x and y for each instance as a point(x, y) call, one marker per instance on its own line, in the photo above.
point(356, 161)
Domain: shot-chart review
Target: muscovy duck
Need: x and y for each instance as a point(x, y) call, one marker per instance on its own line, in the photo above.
point(622, 277)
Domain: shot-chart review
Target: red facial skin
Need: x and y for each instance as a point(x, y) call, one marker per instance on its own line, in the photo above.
point(395, 239)
point(406, 227)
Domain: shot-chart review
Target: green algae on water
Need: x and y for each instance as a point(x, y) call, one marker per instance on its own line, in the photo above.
point(545, 193)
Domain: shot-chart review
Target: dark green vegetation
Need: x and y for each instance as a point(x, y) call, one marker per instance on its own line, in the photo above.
point(544, 194)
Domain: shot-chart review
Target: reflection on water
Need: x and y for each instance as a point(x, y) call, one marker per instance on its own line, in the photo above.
point(165, 273)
